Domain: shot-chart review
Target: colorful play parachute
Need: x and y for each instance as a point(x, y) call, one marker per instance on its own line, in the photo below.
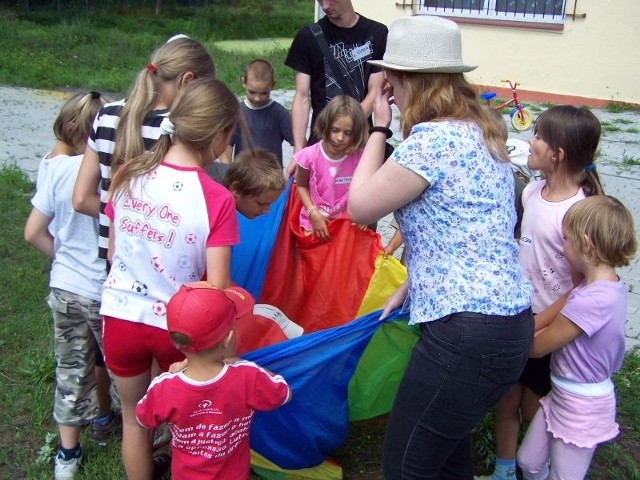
point(348, 364)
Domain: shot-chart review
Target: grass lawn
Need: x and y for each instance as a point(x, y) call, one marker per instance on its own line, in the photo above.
point(261, 45)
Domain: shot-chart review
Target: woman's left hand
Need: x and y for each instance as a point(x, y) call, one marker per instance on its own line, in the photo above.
point(396, 299)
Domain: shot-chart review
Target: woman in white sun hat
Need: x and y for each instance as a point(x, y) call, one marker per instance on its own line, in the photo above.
point(451, 187)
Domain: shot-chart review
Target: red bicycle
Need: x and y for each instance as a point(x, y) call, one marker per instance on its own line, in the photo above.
point(521, 117)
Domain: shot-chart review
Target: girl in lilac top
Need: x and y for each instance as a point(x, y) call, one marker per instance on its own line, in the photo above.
point(586, 336)
point(324, 170)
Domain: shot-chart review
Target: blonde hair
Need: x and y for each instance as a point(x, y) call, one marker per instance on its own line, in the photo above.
point(577, 132)
point(260, 70)
point(254, 172)
point(340, 106)
point(167, 64)
point(438, 96)
point(604, 225)
point(202, 109)
point(73, 123)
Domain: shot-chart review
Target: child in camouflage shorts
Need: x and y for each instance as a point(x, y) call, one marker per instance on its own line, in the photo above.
point(76, 278)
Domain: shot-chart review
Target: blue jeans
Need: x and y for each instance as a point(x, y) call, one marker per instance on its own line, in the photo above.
point(459, 369)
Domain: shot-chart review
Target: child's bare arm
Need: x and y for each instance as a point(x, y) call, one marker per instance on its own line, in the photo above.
point(36, 232)
point(560, 332)
point(548, 315)
point(393, 245)
point(318, 221)
point(302, 186)
point(111, 244)
point(85, 192)
point(218, 266)
point(291, 169)
point(396, 299)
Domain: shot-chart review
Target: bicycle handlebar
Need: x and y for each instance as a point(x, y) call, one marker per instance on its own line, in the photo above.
point(511, 84)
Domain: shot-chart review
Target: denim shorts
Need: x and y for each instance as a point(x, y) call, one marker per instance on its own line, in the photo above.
point(77, 330)
point(459, 369)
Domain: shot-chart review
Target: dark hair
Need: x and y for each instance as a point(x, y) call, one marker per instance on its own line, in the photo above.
point(575, 131)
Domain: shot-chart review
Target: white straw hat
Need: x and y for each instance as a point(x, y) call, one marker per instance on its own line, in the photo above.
point(425, 44)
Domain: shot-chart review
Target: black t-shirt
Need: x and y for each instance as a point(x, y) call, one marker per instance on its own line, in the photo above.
point(351, 47)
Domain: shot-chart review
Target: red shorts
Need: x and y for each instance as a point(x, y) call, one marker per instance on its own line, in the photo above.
point(130, 347)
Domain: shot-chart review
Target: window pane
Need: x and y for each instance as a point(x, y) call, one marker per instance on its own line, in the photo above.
point(455, 4)
point(537, 11)
point(531, 7)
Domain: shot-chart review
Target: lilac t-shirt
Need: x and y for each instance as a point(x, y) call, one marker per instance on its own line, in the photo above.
point(599, 309)
point(329, 181)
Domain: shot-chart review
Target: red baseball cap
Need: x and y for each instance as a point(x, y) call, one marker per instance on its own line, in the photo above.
point(205, 313)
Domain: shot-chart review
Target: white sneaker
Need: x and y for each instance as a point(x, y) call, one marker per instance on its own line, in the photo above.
point(66, 469)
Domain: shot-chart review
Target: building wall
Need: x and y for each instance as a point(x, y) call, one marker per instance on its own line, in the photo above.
point(592, 60)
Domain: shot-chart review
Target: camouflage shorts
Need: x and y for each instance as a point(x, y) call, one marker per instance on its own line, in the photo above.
point(77, 331)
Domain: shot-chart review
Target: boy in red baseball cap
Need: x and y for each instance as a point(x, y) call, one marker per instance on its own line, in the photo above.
point(209, 404)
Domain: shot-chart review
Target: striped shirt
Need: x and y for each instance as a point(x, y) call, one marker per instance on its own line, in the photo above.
point(102, 141)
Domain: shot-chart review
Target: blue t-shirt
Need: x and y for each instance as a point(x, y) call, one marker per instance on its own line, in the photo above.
point(461, 253)
point(268, 126)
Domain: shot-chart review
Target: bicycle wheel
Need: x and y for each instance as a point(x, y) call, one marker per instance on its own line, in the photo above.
point(521, 119)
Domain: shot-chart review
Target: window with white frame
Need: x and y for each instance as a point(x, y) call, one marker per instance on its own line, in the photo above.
point(542, 11)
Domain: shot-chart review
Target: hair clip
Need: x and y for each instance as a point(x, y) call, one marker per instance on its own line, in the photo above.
point(95, 94)
point(167, 127)
point(177, 37)
point(590, 167)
